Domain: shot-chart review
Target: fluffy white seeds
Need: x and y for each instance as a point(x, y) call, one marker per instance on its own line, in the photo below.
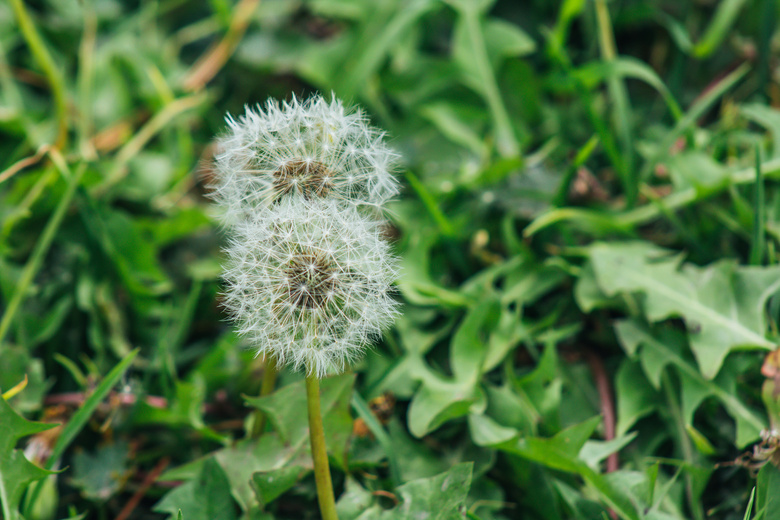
point(309, 282)
point(312, 148)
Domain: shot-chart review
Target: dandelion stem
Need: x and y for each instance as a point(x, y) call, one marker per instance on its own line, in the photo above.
point(269, 382)
point(318, 450)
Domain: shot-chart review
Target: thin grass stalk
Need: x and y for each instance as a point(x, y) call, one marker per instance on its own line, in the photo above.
point(50, 70)
point(41, 247)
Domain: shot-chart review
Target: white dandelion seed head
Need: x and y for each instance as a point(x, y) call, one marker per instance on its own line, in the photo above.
point(314, 148)
point(309, 281)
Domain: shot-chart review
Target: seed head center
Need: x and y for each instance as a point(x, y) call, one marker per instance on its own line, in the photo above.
point(312, 283)
point(310, 178)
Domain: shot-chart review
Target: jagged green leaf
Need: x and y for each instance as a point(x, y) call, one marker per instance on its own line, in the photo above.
point(16, 472)
point(286, 410)
point(437, 498)
point(658, 350)
point(722, 304)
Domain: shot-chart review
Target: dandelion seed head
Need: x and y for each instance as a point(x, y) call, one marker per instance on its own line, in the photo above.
point(323, 290)
point(313, 148)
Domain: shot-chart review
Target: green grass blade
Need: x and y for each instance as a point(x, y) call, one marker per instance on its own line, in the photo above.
point(757, 245)
point(360, 406)
point(41, 248)
point(717, 31)
point(430, 204)
point(622, 105)
point(749, 509)
point(50, 70)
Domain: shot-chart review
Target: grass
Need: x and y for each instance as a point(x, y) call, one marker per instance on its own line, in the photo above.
point(581, 181)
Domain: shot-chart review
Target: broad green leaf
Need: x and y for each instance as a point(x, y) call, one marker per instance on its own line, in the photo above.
point(100, 475)
point(658, 352)
point(541, 390)
point(593, 452)
point(16, 472)
point(477, 6)
point(270, 485)
point(354, 501)
point(722, 304)
point(150, 175)
point(286, 410)
point(247, 458)
point(416, 338)
point(241, 461)
point(186, 409)
point(769, 118)
point(437, 498)
point(450, 120)
point(768, 492)
point(698, 170)
point(179, 225)
point(512, 409)
point(506, 40)
point(418, 460)
point(588, 294)
point(635, 397)
point(467, 350)
point(207, 497)
point(438, 401)
point(417, 285)
point(581, 507)
point(505, 336)
point(485, 431)
point(134, 258)
point(561, 453)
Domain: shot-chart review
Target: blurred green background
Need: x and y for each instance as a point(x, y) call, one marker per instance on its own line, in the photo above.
point(588, 227)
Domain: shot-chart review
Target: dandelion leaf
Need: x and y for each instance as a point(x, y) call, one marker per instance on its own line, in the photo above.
point(286, 410)
point(658, 349)
point(722, 304)
point(437, 498)
point(16, 472)
point(768, 491)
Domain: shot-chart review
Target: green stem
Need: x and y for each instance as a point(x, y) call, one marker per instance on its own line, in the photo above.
point(318, 450)
point(269, 382)
point(50, 70)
